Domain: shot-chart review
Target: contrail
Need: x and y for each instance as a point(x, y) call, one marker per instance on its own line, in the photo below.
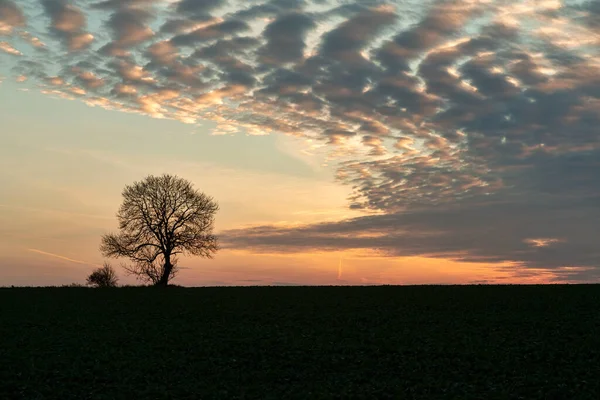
point(45, 253)
point(339, 276)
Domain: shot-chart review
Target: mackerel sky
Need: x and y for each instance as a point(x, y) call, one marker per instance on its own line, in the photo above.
point(350, 142)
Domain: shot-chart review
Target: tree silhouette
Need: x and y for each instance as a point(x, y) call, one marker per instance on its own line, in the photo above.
point(161, 217)
point(103, 277)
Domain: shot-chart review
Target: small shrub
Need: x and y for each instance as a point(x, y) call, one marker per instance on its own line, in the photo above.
point(74, 284)
point(103, 277)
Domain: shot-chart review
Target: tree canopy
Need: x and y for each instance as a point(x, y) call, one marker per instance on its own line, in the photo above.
point(162, 217)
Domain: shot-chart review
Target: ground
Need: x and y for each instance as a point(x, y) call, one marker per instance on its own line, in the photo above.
point(421, 342)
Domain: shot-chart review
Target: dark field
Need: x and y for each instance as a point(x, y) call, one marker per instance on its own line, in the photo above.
point(428, 342)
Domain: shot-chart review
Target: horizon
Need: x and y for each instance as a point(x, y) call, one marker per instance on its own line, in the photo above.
point(347, 142)
point(77, 285)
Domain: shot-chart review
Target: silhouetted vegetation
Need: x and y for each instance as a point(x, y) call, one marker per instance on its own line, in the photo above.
point(160, 218)
point(474, 342)
point(104, 276)
point(72, 285)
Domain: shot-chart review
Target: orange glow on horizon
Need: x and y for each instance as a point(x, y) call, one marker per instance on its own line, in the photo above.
point(354, 268)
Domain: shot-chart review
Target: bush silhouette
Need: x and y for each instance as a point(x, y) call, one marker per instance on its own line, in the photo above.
point(103, 277)
point(73, 285)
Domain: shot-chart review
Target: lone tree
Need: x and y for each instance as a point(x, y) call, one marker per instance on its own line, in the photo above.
point(160, 218)
point(103, 277)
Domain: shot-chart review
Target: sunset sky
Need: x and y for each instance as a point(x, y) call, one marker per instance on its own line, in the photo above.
point(347, 142)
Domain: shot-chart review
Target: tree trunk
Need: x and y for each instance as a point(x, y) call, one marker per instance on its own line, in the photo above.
point(164, 279)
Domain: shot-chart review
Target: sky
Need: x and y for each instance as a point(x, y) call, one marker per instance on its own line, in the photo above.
point(347, 142)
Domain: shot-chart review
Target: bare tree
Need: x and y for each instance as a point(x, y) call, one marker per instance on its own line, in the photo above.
point(152, 271)
point(103, 277)
point(160, 218)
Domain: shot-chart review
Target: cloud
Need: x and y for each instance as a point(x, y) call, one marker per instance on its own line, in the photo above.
point(592, 13)
point(130, 28)
point(442, 21)
point(463, 129)
point(11, 17)
point(8, 49)
point(345, 42)
point(68, 23)
point(500, 229)
point(87, 79)
point(213, 31)
point(162, 53)
point(198, 7)
point(285, 39)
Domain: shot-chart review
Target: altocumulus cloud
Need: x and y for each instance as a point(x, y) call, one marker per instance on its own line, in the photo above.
point(466, 129)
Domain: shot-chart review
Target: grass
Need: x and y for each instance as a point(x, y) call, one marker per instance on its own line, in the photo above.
point(421, 342)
